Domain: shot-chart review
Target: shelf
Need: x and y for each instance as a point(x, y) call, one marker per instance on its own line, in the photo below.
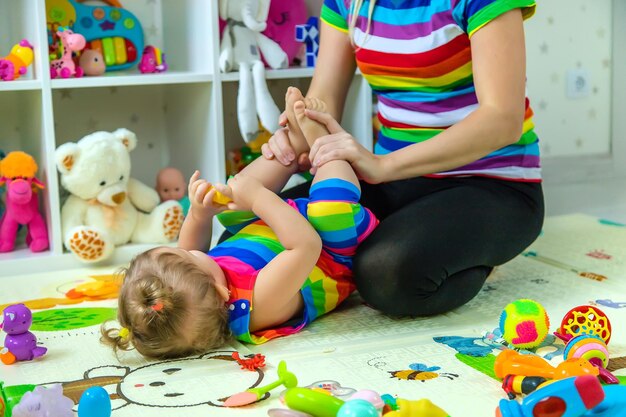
point(20, 85)
point(131, 78)
point(295, 72)
point(23, 261)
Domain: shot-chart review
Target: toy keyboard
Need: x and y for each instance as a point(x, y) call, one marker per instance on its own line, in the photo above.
point(112, 30)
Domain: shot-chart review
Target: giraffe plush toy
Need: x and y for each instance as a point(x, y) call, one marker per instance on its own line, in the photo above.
point(65, 67)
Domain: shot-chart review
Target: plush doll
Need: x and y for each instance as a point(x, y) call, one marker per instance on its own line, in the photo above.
point(241, 49)
point(171, 185)
point(17, 172)
point(107, 207)
point(283, 18)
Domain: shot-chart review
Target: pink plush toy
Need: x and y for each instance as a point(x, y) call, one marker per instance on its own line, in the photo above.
point(17, 172)
point(282, 19)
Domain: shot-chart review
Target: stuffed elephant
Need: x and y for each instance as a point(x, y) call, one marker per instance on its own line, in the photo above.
point(241, 49)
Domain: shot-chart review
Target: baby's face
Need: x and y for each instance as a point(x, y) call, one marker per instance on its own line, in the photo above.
point(171, 188)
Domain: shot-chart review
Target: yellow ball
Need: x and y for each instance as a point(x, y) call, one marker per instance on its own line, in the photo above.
point(524, 324)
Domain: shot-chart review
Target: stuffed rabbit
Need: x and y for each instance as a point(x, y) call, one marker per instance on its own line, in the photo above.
point(241, 49)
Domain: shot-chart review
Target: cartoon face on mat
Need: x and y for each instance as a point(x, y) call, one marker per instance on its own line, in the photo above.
point(186, 382)
point(177, 383)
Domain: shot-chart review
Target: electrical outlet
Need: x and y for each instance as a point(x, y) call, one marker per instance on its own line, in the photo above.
point(578, 83)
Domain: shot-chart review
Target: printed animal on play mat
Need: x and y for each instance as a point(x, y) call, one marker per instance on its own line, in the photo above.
point(189, 382)
point(416, 371)
point(492, 342)
point(421, 372)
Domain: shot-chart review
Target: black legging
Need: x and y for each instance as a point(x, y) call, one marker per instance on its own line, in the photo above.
point(439, 239)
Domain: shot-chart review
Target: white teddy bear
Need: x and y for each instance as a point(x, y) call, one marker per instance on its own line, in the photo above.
point(106, 207)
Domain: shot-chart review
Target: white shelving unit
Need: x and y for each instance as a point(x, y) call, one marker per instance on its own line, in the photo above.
point(185, 117)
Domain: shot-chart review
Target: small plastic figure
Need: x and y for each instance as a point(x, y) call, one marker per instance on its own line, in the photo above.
point(16, 63)
point(152, 60)
point(20, 343)
point(65, 67)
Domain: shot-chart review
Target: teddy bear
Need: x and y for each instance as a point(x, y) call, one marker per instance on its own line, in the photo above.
point(107, 207)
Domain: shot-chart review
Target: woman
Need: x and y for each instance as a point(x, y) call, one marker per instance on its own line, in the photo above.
point(454, 177)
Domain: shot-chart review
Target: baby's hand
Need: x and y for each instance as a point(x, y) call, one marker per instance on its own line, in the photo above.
point(243, 189)
point(202, 195)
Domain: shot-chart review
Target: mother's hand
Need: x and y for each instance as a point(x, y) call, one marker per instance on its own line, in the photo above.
point(279, 147)
point(340, 145)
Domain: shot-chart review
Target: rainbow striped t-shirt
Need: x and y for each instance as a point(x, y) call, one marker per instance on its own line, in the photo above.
point(417, 59)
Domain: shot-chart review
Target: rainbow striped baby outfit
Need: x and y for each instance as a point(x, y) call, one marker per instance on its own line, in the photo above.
point(417, 59)
point(333, 210)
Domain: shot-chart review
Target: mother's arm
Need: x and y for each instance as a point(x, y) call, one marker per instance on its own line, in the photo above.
point(499, 67)
point(331, 80)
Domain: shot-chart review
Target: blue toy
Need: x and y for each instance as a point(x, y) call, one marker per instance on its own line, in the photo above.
point(94, 402)
point(614, 404)
point(111, 30)
point(569, 397)
point(309, 34)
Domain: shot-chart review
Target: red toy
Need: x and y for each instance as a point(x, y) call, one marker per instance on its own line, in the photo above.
point(257, 361)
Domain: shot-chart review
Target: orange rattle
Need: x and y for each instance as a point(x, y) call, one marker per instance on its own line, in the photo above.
point(512, 362)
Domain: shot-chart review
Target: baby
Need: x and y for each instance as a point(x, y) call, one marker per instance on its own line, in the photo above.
point(287, 263)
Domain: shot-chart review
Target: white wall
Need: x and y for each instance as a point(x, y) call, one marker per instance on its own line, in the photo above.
point(569, 35)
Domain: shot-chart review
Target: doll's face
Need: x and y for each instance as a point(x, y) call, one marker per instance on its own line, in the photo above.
point(171, 184)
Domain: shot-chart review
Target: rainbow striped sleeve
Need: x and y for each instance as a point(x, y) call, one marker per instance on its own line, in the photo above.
point(234, 221)
point(472, 15)
point(335, 13)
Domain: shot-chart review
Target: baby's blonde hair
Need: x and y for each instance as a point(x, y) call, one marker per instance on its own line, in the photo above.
point(355, 6)
point(170, 307)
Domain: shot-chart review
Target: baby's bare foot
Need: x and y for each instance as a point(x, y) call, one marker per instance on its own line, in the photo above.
point(310, 128)
point(297, 138)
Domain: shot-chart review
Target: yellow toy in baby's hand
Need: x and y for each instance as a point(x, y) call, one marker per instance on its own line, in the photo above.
point(220, 198)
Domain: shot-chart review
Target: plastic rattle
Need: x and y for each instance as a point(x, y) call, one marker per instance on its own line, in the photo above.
point(570, 397)
point(594, 350)
point(584, 320)
point(419, 408)
point(95, 402)
point(252, 395)
point(512, 362)
point(358, 408)
point(520, 384)
point(315, 403)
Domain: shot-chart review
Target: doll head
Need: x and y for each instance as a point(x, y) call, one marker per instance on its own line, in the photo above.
point(169, 307)
point(171, 184)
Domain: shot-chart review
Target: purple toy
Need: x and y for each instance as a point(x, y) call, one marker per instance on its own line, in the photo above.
point(44, 402)
point(21, 343)
point(152, 60)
